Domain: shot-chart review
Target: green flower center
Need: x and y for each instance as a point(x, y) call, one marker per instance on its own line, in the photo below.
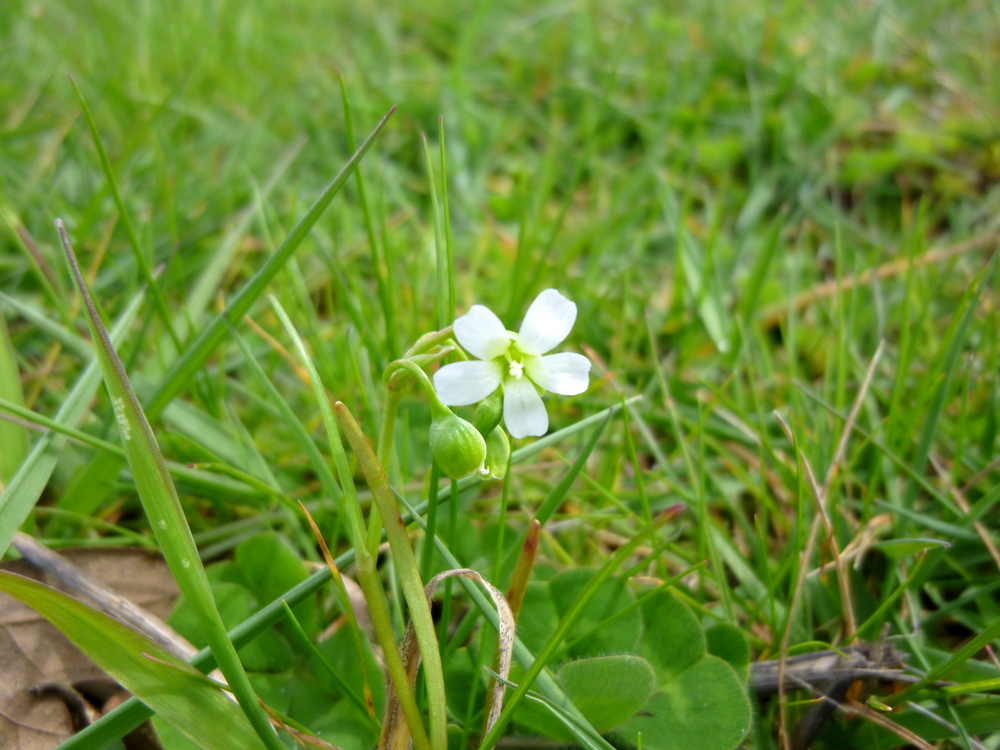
point(515, 367)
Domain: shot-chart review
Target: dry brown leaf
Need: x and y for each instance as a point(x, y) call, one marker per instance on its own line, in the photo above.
point(33, 652)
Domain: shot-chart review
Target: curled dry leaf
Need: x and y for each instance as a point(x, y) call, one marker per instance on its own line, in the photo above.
point(33, 654)
point(394, 731)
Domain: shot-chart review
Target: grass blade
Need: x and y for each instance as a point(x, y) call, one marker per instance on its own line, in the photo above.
point(201, 349)
point(133, 238)
point(409, 575)
point(290, 420)
point(176, 691)
point(163, 509)
point(13, 436)
point(26, 487)
point(132, 713)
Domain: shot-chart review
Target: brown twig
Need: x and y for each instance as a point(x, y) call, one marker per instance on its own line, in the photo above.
point(773, 315)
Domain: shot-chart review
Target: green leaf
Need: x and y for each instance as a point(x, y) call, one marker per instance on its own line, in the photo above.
point(896, 548)
point(173, 689)
point(13, 436)
point(211, 336)
point(163, 508)
point(268, 652)
point(727, 641)
point(26, 487)
point(612, 596)
point(608, 690)
point(672, 639)
point(272, 568)
point(703, 708)
point(538, 616)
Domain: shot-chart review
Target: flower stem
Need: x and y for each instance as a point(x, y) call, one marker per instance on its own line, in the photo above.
point(429, 340)
point(437, 408)
point(409, 575)
point(383, 455)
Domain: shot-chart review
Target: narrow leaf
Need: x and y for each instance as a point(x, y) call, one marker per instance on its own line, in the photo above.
point(163, 508)
point(26, 487)
point(175, 690)
point(198, 353)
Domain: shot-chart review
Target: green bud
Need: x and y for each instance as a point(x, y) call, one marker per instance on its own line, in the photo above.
point(456, 446)
point(497, 453)
point(489, 412)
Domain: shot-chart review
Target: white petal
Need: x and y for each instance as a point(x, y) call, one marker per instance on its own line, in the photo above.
point(462, 383)
point(481, 333)
point(565, 374)
point(547, 322)
point(523, 410)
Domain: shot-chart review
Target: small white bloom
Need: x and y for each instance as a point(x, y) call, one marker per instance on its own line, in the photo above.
point(515, 359)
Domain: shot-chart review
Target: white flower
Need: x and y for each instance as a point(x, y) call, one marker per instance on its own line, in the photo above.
point(515, 359)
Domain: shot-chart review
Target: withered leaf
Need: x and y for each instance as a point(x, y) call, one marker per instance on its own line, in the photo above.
point(33, 652)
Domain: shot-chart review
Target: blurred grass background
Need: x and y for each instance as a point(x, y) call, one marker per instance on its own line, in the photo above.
point(707, 180)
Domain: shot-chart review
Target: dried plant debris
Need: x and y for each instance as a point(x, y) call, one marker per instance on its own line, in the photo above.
point(49, 689)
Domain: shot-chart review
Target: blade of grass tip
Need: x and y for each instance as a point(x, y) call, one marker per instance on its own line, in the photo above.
point(447, 220)
point(140, 257)
point(185, 698)
point(409, 575)
point(574, 611)
point(26, 487)
point(195, 356)
point(391, 334)
point(163, 509)
point(132, 713)
point(440, 251)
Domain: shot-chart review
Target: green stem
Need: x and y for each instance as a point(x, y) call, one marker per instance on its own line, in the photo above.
point(429, 341)
point(438, 409)
point(383, 455)
point(371, 586)
point(409, 575)
point(432, 503)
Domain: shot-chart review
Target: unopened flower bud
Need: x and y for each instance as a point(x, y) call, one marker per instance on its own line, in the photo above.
point(497, 454)
point(456, 446)
point(489, 413)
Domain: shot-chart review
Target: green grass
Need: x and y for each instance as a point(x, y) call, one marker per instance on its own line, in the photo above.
point(743, 199)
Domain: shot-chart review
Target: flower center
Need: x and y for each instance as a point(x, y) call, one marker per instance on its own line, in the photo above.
point(516, 369)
